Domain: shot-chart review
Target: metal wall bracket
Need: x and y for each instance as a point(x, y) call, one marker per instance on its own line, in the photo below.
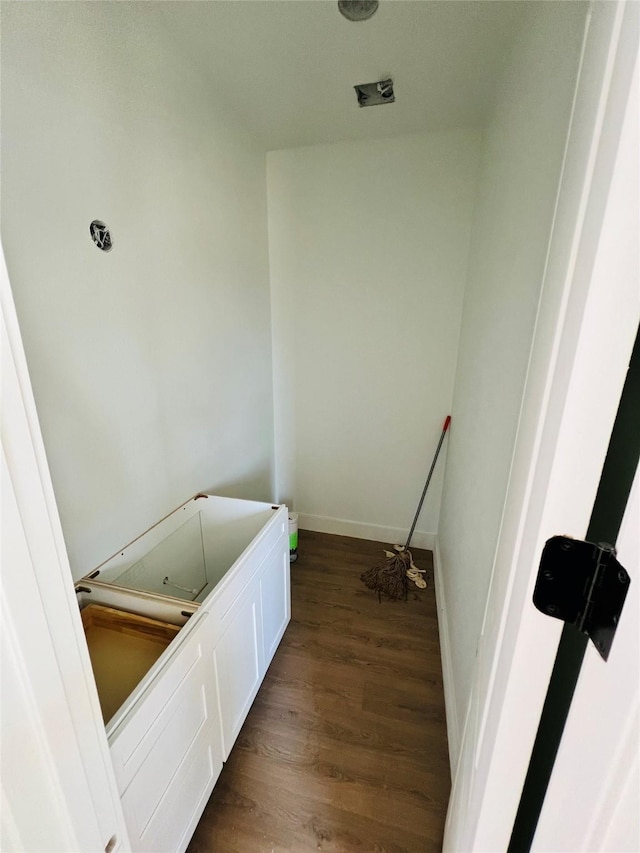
point(582, 584)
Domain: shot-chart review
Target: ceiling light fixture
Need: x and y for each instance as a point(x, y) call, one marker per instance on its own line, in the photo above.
point(357, 10)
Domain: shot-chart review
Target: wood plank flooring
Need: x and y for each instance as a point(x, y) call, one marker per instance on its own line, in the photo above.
point(345, 746)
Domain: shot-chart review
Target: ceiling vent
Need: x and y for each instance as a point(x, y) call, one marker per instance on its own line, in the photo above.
point(371, 94)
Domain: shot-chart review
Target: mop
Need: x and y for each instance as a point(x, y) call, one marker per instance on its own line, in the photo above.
point(390, 577)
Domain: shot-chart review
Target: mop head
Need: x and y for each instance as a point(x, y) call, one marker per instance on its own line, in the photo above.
point(390, 577)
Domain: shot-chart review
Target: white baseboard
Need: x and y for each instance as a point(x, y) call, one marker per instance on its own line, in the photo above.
point(360, 530)
point(453, 727)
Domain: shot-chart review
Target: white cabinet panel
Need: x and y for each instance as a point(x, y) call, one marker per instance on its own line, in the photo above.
point(190, 722)
point(136, 735)
point(253, 626)
point(173, 824)
point(275, 599)
point(167, 753)
point(239, 664)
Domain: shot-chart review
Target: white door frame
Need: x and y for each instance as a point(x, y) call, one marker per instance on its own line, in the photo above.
point(587, 321)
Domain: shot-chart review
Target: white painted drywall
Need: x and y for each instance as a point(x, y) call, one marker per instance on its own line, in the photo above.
point(291, 67)
point(151, 364)
point(521, 164)
point(368, 247)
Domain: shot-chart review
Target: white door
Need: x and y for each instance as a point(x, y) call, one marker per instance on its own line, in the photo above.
point(587, 323)
point(593, 799)
point(58, 788)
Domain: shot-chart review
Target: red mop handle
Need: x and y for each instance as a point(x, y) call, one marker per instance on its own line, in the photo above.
point(445, 427)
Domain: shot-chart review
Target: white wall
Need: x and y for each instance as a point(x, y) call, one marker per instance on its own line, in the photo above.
point(521, 163)
point(151, 365)
point(368, 246)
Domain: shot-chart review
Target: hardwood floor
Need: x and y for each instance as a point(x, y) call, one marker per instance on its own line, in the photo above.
point(345, 746)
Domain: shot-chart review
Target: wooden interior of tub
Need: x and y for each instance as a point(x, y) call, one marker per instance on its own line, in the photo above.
point(123, 647)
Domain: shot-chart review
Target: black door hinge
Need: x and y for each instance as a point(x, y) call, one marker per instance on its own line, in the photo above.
point(582, 584)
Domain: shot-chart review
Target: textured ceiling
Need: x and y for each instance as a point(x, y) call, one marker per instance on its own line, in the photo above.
point(287, 67)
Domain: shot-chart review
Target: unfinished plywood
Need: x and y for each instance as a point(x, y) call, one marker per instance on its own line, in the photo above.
point(123, 647)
